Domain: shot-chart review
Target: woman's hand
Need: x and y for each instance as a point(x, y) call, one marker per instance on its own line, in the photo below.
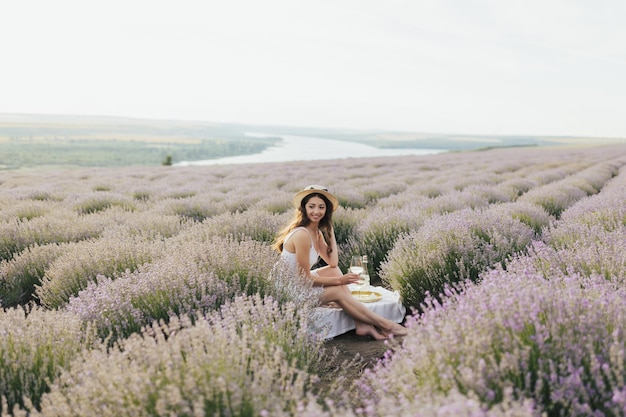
point(349, 278)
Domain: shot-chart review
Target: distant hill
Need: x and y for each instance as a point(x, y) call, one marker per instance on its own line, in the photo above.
point(65, 140)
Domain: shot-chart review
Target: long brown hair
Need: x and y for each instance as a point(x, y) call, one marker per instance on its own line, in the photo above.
point(300, 219)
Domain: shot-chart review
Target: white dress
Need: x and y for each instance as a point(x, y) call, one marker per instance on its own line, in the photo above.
point(290, 258)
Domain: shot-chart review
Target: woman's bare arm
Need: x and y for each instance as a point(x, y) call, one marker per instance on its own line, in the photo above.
point(333, 258)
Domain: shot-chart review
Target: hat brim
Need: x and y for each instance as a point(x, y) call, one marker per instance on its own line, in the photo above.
point(297, 199)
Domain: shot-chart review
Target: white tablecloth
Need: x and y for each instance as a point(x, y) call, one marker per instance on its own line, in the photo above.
point(331, 322)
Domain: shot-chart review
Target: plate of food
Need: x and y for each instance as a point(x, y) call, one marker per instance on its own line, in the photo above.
point(367, 296)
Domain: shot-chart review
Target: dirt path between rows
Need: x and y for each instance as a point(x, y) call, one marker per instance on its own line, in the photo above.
point(349, 355)
point(350, 346)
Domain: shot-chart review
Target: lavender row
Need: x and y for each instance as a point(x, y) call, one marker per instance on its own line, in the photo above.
point(557, 344)
point(241, 360)
point(546, 329)
point(195, 275)
point(452, 248)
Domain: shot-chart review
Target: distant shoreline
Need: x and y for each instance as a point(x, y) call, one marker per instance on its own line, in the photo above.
point(307, 148)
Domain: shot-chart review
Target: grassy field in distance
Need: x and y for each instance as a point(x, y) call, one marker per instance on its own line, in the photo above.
point(44, 140)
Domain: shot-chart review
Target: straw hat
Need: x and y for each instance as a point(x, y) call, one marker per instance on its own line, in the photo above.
point(315, 189)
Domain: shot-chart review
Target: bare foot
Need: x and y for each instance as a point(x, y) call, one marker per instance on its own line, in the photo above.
point(369, 330)
point(395, 330)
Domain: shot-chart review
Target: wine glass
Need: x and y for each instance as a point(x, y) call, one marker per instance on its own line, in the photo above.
point(356, 267)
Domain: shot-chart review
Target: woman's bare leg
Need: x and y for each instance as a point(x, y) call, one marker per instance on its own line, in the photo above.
point(366, 322)
point(341, 295)
point(360, 328)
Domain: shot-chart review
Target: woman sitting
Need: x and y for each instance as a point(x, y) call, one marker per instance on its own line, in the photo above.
point(310, 235)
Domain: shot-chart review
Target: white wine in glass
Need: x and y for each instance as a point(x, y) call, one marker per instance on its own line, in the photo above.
point(356, 267)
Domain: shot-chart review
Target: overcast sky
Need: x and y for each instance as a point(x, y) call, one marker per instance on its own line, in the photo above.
point(539, 67)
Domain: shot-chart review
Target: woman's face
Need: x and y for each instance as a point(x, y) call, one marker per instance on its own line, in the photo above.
point(315, 209)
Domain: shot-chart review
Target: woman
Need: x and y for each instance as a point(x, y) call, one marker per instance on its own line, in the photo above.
point(309, 235)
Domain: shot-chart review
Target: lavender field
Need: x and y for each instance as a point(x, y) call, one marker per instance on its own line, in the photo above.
point(152, 291)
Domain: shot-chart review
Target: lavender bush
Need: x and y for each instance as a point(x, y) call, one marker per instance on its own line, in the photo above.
point(278, 202)
point(588, 239)
point(607, 209)
point(554, 197)
point(558, 196)
point(451, 248)
point(450, 404)
point(532, 215)
point(377, 234)
point(83, 262)
point(251, 358)
point(352, 199)
point(606, 258)
point(148, 224)
point(251, 224)
point(187, 281)
point(374, 191)
point(594, 178)
point(488, 193)
point(118, 308)
point(552, 171)
point(191, 208)
point(515, 187)
point(58, 226)
point(24, 210)
point(35, 346)
point(453, 201)
point(564, 352)
point(41, 195)
point(103, 201)
point(19, 275)
point(244, 265)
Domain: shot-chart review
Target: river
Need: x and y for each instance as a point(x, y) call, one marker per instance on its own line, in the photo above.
point(305, 148)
